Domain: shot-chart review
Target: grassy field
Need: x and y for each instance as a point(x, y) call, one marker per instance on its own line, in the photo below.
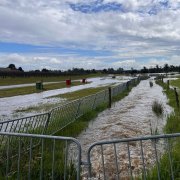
point(26, 80)
point(32, 89)
point(175, 83)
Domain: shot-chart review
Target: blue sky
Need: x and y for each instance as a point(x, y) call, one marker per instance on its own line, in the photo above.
point(98, 34)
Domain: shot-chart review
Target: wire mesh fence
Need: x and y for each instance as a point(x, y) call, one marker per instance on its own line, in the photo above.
point(58, 118)
point(32, 124)
point(153, 157)
point(22, 158)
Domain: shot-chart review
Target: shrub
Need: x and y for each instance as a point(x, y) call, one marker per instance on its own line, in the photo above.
point(157, 108)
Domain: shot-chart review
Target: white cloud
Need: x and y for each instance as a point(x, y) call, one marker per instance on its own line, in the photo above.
point(128, 35)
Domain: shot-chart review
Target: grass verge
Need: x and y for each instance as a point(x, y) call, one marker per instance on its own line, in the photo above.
point(172, 126)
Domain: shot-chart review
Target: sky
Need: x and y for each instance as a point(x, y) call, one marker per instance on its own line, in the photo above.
point(89, 34)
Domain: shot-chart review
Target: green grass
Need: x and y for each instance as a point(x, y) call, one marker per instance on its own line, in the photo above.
point(172, 126)
point(31, 89)
point(175, 83)
point(157, 108)
point(25, 80)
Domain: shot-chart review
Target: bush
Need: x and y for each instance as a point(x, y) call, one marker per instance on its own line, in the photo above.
point(157, 108)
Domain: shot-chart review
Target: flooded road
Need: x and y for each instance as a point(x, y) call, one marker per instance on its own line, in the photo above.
point(9, 105)
point(130, 117)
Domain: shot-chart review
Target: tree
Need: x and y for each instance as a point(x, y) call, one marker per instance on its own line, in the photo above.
point(12, 66)
point(20, 69)
point(166, 68)
point(45, 70)
point(144, 70)
point(120, 70)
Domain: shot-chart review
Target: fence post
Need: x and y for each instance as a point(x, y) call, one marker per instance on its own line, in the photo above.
point(77, 113)
point(168, 84)
point(110, 100)
point(94, 101)
point(177, 97)
point(127, 85)
point(47, 123)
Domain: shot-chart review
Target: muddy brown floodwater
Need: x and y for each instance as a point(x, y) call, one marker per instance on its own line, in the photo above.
point(130, 117)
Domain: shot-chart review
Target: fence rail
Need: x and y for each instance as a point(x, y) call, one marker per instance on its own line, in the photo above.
point(59, 117)
point(21, 158)
point(152, 157)
point(55, 157)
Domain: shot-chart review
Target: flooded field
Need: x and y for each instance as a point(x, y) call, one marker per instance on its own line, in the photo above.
point(43, 98)
point(130, 117)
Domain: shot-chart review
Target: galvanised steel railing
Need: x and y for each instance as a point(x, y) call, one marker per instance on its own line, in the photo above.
point(31, 124)
point(21, 158)
point(151, 157)
point(58, 118)
point(55, 157)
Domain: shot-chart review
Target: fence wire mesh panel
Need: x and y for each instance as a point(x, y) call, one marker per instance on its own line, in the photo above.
point(21, 158)
point(32, 124)
point(154, 157)
point(60, 117)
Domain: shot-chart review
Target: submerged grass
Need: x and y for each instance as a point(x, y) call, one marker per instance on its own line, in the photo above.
point(67, 96)
point(81, 93)
point(157, 108)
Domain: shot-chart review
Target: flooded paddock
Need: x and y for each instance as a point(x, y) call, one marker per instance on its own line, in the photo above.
point(10, 105)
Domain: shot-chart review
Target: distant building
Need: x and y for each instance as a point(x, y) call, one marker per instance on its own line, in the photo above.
point(8, 70)
point(5, 69)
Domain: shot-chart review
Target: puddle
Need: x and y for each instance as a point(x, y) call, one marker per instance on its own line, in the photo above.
point(9, 105)
point(130, 117)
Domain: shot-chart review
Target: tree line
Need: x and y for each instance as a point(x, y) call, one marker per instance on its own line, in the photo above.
point(13, 71)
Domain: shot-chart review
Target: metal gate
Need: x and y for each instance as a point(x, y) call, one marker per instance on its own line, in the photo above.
point(30, 156)
point(152, 157)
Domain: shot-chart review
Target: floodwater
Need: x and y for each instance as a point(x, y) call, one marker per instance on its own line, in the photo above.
point(9, 105)
point(130, 117)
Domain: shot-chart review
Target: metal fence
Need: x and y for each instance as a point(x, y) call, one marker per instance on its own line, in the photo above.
point(152, 157)
point(21, 158)
point(60, 117)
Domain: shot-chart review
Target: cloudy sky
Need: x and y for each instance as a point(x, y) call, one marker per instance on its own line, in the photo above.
point(62, 34)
